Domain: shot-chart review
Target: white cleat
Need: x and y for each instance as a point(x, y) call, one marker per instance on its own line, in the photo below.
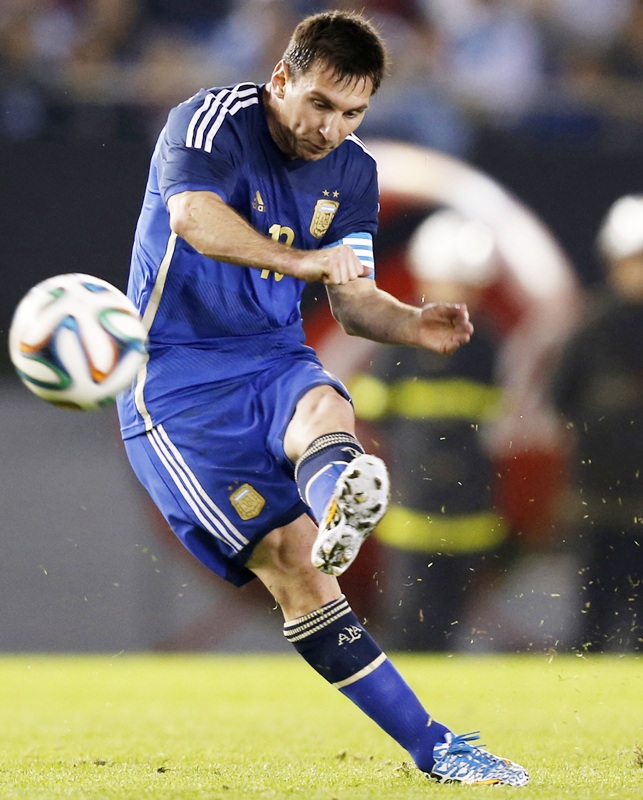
point(358, 503)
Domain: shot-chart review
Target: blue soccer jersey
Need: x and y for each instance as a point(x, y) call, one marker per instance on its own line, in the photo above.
point(210, 321)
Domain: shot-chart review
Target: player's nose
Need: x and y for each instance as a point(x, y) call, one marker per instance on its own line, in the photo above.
point(331, 129)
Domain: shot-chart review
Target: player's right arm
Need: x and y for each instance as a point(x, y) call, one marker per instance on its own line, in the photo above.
point(217, 231)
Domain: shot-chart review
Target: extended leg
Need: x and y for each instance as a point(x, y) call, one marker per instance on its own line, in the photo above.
point(328, 635)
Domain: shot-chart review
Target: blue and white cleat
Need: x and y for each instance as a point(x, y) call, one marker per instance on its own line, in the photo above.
point(457, 761)
point(358, 503)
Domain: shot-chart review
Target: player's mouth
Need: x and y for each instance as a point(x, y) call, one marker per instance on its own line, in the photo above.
point(316, 150)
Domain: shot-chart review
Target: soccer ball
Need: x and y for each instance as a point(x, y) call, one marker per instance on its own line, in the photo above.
point(77, 341)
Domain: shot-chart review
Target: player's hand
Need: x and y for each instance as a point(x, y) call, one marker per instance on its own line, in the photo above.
point(444, 327)
point(334, 266)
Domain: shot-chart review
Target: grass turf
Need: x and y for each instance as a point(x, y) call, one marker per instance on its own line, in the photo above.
point(261, 726)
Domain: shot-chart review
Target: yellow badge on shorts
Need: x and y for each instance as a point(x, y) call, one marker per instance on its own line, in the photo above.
point(323, 215)
point(247, 501)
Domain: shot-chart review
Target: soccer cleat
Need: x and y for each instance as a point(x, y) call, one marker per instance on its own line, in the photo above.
point(457, 761)
point(358, 503)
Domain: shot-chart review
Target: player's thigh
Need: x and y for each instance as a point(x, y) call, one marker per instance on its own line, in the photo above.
point(307, 402)
point(214, 483)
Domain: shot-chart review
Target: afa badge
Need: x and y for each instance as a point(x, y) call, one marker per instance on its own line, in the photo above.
point(247, 501)
point(323, 215)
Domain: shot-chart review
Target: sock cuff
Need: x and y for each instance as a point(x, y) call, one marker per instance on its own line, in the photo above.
point(327, 441)
point(332, 640)
point(312, 623)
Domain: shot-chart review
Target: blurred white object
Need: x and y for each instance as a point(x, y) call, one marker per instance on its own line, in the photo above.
point(448, 246)
point(621, 234)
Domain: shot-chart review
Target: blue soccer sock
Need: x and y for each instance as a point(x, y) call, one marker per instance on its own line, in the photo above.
point(319, 468)
point(334, 643)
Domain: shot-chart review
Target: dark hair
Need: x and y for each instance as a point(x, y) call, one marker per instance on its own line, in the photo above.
point(344, 40)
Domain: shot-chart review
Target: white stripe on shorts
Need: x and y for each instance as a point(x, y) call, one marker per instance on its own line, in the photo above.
point(207, 512)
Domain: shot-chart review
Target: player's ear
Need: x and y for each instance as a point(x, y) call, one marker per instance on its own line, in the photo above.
point(280, 75)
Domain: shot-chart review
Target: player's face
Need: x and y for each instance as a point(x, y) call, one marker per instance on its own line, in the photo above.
point(314, 113)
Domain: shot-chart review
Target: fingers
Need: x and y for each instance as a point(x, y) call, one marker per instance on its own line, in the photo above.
point(447, 326)
point(462, 322)
point(333, 266)
point(456, 314)
point(342, 266)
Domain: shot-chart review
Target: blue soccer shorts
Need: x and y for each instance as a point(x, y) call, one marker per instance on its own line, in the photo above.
point(218, 472)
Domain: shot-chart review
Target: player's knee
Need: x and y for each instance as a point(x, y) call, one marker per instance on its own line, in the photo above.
point(324, 403)
point(320, 411)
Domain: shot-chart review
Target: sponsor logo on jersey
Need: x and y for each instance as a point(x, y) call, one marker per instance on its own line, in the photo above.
point(258, 203)
point(323, 215)
point(247, 501)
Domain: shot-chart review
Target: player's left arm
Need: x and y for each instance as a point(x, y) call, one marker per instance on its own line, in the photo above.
point(362, 309)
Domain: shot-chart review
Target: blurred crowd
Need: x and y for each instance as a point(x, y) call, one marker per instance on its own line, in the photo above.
point(561, 71)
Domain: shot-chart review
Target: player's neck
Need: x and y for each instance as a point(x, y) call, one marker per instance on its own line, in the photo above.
point(281, 136)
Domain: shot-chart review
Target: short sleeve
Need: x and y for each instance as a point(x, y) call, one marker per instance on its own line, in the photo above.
point(182, 167)
point(362, 212)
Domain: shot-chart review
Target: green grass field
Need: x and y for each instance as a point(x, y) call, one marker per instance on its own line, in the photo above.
point(260, 726)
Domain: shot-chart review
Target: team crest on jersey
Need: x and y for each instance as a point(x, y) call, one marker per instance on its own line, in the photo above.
point(247, 501)
point(323, 215)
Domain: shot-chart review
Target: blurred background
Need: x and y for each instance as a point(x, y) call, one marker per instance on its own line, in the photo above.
point(524, 117)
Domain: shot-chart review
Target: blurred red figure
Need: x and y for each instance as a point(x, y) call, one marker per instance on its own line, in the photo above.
point(430, 412)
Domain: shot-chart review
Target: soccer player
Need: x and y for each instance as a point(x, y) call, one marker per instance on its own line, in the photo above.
point(234, 427)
